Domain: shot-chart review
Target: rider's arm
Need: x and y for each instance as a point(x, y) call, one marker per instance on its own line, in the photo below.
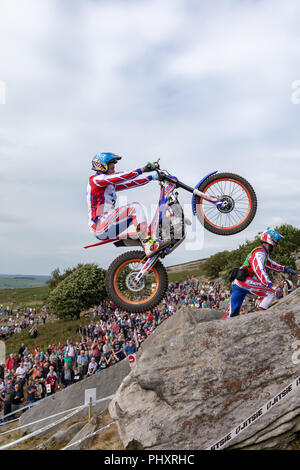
point(133, 183)
point(274, 266)
point(257, 265)
point(117, 178)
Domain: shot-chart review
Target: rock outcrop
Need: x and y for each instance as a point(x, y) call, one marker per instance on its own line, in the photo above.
point(87, 430)
point(195, 380)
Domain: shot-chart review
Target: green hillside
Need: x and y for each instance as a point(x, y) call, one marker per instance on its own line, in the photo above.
point(180, 276)
point(29, 296)
point(21, 282)
point(49, 333)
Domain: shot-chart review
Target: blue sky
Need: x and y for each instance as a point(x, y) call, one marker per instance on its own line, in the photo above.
point(203, 85)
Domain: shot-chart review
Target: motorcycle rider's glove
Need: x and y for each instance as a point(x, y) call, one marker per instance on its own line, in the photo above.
point(149, 167)
point(290, 271)
point(155, 176)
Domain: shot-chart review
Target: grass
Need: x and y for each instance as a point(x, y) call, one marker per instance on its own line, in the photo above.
point(182, 275)
point(19, 282)
point(108, 439)
point(49, 333)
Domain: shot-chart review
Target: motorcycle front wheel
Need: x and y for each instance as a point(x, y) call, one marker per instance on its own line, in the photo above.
point(240, 208)
point(128, 295)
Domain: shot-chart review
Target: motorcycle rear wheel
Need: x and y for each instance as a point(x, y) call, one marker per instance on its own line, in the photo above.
point(146, 295)
point(241, 204)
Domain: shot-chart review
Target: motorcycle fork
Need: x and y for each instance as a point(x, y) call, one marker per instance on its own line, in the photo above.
point(146, 268)
point(157, 220)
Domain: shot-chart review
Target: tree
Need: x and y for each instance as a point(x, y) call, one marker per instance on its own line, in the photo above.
point(81, 289)
point(56, 277)
point(215, 264)
point(287, 246)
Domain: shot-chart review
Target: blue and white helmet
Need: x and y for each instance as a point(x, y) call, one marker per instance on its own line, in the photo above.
point(101, 160)
point(272, 237)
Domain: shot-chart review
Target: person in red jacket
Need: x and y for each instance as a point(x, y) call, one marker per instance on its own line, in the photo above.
point(253, 278)
point(51, 380)
point(10, 362)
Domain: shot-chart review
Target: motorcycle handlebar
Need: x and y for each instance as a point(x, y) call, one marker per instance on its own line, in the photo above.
point(163, 176)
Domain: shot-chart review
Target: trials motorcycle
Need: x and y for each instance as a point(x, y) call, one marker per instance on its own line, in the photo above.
point(224, 203)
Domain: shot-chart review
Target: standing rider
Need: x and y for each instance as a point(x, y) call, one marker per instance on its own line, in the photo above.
point(105, 221)
point(252, 277)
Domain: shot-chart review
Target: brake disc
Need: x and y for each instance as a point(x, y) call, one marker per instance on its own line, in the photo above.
point(132, 284)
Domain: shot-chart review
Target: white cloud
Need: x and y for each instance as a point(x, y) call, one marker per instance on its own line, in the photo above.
point(203, 88)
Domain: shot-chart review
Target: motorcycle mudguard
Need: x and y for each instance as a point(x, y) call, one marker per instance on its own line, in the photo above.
point(197, 186)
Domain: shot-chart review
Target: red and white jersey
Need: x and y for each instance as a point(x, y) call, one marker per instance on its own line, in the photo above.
point(259, 264)
point(102, 188)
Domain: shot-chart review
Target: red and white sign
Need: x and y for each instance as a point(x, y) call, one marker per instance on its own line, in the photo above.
point(132, 360)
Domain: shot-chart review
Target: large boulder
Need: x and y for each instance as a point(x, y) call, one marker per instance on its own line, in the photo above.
point(196, 380)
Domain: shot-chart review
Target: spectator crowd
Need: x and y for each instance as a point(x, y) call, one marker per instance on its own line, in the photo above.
point(31, 319)
point(29, 376)
point(109, 337)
